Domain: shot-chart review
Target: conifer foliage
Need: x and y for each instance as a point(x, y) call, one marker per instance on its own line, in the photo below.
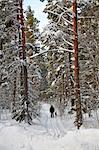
point(32, 30)
point(59, 65)
point(58, 39)
point(17, 90)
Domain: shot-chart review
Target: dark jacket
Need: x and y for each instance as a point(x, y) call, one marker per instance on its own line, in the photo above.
point(52, 109)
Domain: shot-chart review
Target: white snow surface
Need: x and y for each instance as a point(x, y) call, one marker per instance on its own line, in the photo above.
point(47, 134)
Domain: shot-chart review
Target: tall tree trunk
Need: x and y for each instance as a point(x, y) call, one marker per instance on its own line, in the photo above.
point(25, 82)
point(71, 84)
point(76, 69)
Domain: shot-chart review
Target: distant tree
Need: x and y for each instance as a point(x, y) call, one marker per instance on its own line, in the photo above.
point(32, 29)
point(33, 47)
point(56, 40)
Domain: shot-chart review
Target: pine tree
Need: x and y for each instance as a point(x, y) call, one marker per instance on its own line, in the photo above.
point(36, 66)
point(88, 57)
point(8, 48)
point(22, 110)
point(32, 30)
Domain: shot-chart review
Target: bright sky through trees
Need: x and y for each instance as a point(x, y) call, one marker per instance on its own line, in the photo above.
point(38, 7)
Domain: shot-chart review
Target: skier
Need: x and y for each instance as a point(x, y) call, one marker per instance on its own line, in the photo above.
point(52, 109)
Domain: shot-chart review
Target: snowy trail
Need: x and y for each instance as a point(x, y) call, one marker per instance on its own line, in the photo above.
point(54, 127)
point(61, 126)
point(47, 134)
point(14, 136)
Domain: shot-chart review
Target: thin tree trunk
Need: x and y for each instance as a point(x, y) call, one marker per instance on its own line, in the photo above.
point(14, 91)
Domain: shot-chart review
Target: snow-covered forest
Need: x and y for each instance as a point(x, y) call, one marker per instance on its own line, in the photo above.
point(49, 79)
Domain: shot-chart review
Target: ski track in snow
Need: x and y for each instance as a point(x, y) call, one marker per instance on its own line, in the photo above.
point(54, 127)
point(53, 130)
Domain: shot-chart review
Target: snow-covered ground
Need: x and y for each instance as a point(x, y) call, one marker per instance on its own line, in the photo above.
point(47, 134)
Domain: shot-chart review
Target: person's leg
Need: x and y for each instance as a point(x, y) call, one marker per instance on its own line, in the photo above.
point(51, 115)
